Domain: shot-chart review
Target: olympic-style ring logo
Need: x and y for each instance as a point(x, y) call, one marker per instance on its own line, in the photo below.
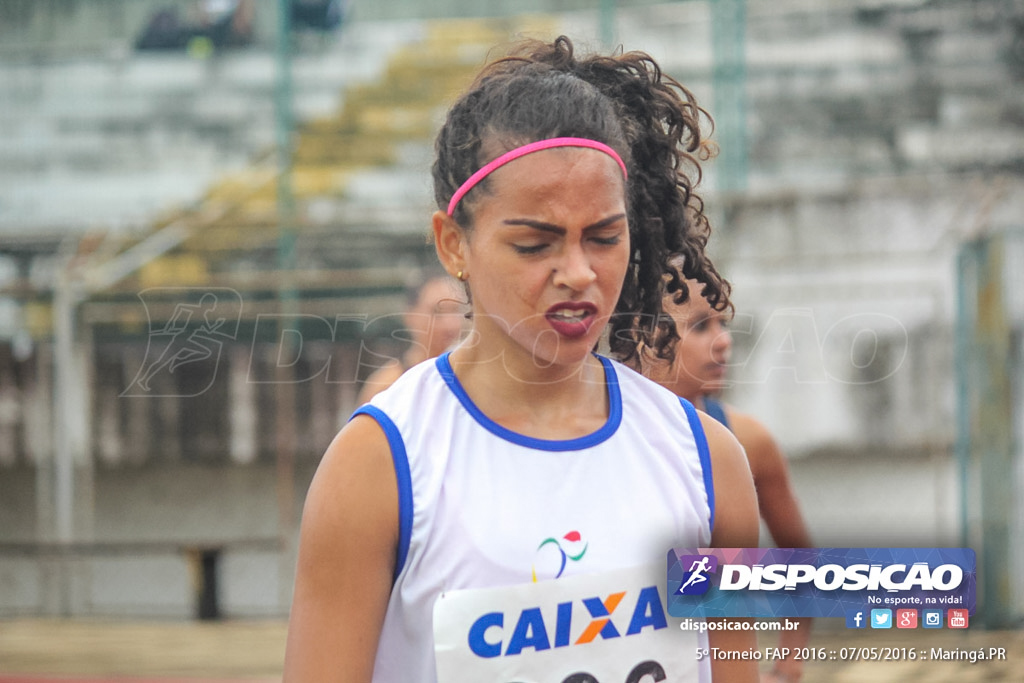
point(571, 551)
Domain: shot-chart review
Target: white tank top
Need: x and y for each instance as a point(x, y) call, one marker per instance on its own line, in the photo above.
point(481, 506)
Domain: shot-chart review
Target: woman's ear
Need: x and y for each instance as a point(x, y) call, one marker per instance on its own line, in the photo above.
point(450, 243)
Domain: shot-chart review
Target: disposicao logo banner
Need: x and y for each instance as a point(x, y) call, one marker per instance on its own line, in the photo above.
point(817, 582)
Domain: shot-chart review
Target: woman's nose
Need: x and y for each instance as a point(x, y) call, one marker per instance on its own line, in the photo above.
point(574, 270)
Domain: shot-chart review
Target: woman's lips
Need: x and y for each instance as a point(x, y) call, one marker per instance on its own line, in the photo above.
point(571, 319)
point(716, 370)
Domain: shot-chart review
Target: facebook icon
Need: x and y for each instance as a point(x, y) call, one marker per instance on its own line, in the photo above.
point(855, 619)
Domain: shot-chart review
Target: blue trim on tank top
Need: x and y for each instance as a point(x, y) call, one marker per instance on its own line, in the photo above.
point(444, 367)
point(402, 475)
point(705, 457)
point(716, 410)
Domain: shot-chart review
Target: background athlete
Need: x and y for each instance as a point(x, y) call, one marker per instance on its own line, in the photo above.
point(433, 321)
point(698, 373)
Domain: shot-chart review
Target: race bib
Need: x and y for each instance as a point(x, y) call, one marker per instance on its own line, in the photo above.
point(594, 628)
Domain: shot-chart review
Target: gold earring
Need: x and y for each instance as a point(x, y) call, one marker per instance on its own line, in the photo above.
point(460, 276)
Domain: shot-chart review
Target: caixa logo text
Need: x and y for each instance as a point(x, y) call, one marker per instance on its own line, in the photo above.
point(496, 634)
point(830, 577)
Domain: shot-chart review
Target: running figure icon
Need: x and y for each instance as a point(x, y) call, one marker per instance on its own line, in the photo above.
point(196, 331)
point(697, 573)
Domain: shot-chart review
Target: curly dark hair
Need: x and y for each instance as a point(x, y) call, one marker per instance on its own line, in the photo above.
point(543, 90)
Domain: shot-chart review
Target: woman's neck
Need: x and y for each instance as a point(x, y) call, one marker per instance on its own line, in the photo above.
point(519, 393)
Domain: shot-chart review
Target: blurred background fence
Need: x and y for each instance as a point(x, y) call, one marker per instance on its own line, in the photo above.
point(204, 245)
point(158, 579)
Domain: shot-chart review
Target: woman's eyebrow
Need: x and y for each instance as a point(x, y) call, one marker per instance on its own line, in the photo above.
point(537, 225)
point(605, 222)
point(551, 227)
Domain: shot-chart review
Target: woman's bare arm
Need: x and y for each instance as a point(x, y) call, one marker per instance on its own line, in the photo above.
point(347, 551)
point(781, 514)
point(736, 526)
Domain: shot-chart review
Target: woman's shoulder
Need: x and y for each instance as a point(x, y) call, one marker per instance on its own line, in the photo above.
point(751, 432)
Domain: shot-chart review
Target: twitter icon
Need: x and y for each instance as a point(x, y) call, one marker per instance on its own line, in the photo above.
point(881, 618)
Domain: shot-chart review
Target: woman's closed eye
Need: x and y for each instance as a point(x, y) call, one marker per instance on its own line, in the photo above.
point(607, 240)
point(527, 249)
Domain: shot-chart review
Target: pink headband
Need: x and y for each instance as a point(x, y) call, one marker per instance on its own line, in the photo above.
point(530, 149)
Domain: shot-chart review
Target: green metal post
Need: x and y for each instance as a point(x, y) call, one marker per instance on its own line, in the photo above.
point(994, 435)
point(287, 300)
point(284, 120)
point(608, 23)
point(729, 75)
point(985, 441)
point(966, 264)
